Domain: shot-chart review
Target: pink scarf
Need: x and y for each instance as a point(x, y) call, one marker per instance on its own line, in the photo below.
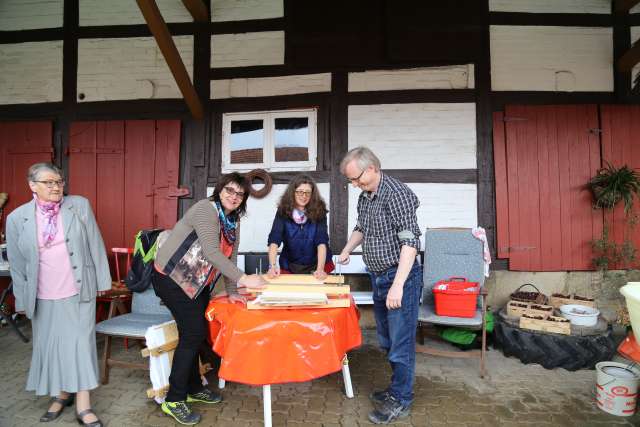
point(50, 211)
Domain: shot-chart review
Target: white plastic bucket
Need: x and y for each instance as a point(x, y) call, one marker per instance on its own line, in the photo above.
point(617, 388)
point(580, 314)
point(631, 292)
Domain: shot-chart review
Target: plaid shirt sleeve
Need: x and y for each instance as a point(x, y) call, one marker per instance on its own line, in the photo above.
point(358, 227)
point(404, 219)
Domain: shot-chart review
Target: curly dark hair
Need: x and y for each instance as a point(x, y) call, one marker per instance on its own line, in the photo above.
point(238, 179)
point(315, 210)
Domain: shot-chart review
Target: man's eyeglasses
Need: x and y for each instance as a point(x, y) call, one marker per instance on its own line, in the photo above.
point(303, 193)
point(52, 183)
point(234, 193)
point(357, 178)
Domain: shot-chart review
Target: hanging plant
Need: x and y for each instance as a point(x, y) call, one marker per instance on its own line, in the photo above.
point(611, 185)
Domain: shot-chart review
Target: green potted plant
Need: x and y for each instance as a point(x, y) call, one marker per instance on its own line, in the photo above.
point(611, 185)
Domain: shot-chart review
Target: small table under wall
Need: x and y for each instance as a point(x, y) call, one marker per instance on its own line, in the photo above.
point(3, 315)
point(275, 346)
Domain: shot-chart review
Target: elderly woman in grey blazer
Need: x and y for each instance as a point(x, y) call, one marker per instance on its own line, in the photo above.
point(58, 267)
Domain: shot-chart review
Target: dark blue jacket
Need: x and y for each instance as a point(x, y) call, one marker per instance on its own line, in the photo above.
point(299, 241)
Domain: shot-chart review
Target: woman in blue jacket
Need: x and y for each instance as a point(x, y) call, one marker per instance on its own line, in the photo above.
point(300, 226)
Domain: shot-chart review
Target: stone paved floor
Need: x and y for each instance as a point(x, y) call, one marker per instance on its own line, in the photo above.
point(449, 392)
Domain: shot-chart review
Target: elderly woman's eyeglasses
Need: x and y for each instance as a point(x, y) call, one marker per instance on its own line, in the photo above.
point(234, 193)
point(51, 183)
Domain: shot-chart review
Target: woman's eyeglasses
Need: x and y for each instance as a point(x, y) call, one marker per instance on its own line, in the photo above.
point(234, 193)
point(303, 193)
point(52, 183)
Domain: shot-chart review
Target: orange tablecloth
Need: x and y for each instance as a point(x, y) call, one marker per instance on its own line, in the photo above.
point(261, 347)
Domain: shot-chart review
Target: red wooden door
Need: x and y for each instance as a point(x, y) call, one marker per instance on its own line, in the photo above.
point(21, 145)
point(544, 156)
point(620, 130)
point(129, 172)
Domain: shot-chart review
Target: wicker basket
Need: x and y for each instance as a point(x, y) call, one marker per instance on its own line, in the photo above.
point(529, 296)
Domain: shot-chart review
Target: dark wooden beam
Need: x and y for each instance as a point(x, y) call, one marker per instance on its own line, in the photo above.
point(161, 33)
point(197, 9)
point(624, 6)
point(629, 59)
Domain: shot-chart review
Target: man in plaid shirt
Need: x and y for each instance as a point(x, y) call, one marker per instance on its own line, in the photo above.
point(388, 230)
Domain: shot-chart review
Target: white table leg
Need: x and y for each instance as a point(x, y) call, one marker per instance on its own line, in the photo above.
point(348, 389)
point(221, 383)
point(266, 397)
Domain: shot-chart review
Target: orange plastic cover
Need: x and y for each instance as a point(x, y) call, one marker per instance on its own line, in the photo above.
point(261, 347)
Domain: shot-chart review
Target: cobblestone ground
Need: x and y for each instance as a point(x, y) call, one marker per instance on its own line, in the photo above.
point(449, 392)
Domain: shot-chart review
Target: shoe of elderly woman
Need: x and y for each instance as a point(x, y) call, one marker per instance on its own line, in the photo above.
point(80, 418)
point(52, 415)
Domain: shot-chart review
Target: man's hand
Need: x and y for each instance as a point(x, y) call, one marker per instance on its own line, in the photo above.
point(394, 296)
point(343, 258)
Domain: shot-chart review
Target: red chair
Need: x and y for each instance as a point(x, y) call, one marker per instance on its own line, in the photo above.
point(119, 297)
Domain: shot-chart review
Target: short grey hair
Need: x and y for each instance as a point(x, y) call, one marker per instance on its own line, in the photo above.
point(364, 158)
point(37, 168)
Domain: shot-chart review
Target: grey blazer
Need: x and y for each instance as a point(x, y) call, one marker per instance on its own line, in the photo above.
point(84, 245)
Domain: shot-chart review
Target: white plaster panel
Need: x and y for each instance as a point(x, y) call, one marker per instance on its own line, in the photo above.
point(441, 205)
point(551, 6)
point(416, 136)
point(451, 77)
point(31, 72)
point(30, 14)
point(635, 9)
point(128, 68)
point(246, 49)
point(551, 58)
point(270, 86)
point(242, 10)
point(127, 12)
point(256, 225)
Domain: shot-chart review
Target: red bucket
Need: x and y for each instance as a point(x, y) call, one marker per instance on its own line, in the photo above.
point(456, 297)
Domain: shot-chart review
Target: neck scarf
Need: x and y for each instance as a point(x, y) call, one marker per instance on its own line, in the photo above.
point(227, 224)
point(298, 216)
point(50, 211)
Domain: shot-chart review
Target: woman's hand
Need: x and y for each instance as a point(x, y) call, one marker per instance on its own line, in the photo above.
point(237, 298)
point(274, 271)
point(320, 274)
point(254, 281)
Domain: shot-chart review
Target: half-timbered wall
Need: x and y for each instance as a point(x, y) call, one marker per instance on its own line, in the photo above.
point(380, 73)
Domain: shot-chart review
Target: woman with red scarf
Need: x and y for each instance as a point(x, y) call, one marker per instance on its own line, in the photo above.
point(58, 267)
point(215, 223)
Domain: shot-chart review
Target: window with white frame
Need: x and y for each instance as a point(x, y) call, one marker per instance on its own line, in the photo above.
point(272, 140)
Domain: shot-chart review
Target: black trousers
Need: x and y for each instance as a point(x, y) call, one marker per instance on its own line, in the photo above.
point(193, 330)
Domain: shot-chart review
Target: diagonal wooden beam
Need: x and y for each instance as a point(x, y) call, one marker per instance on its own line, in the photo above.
point(630, 58)
point(624, 6)
point(161, 33)
point(198, 10)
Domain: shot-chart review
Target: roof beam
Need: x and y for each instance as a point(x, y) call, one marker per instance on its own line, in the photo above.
point(624, 6)
point(198, 10)
point(161, 33)
point(630, 58)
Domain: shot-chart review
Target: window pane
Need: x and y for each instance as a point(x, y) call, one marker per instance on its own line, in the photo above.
point(247, 141)
point(292, 139)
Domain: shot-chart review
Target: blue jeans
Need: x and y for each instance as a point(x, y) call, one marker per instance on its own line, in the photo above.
point(396, 329)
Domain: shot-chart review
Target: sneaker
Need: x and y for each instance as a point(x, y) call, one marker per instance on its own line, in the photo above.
point(181, 413)
point(378, 397)
point(205, 396)
point(389, 410)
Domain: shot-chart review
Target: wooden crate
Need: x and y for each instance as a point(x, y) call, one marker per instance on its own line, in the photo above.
point(325, 289)
point(304, 279)
point(518, 308)
point(556, 301)
point(557, 325)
